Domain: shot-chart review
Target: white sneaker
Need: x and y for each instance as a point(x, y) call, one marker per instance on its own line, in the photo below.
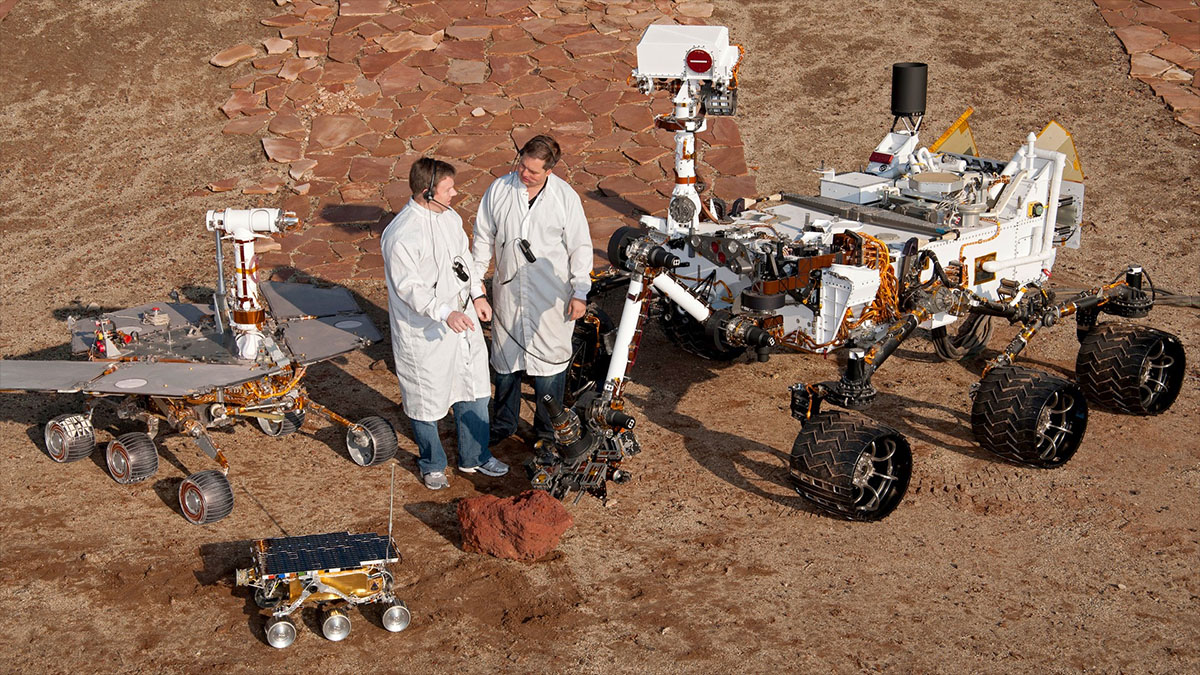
point(436, 480)
point(493, 467)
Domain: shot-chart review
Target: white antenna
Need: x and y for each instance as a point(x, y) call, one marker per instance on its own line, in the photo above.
point(391, 501)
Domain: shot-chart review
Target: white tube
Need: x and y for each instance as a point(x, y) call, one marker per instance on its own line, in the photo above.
point(1001, 265)
point(679, 295)
point(1051, 213)
point(625, 330)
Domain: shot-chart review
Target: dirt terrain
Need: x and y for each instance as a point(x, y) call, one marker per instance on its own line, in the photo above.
point(707, 561)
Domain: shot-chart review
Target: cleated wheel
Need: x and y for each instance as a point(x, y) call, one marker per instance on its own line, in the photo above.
point(1130, 369)
point(205, 497)
point(132, 458)
point(290, 424)
point(281, 632)
point(851, 467)
point(69, 438)
point(371, 442)
point(1028, 416)
point(396, 617)
point(335, 626)
point(970, 340)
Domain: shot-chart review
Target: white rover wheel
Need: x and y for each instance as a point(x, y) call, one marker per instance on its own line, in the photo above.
point(290, 424)
point(131, 458)
point(205, 497)
point(69, 438)
point(281, 632)
point(396, 617)
point(335, 626)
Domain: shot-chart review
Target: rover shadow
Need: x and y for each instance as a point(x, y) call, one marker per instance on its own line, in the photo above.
point(441, 517)
point(221, 561)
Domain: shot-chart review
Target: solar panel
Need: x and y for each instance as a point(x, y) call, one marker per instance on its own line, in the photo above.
point(323, 552)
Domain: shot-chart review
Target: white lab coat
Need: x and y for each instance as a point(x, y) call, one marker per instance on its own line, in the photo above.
point(530, 300)
point(436, 367)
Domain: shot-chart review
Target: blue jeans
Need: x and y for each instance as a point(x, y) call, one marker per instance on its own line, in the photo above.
point(471, 421)
point(507, 403)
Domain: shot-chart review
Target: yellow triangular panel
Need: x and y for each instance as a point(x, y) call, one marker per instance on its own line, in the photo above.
point(1055, 137)
point(958, 138)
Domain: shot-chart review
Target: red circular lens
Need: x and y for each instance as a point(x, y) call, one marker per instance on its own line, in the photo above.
point(699, 61)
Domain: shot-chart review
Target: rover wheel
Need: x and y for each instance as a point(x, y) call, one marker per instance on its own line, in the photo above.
point(132, 458)
point(290, 424)
point(69, 438)
point(335, 625)
point(683, 329)
point(205, 497)
point(970, 339)
point(1130, 369)
point(1028, 416)
point(371, 442)
point(396, 617)
point(281, 632)
point(851, 467)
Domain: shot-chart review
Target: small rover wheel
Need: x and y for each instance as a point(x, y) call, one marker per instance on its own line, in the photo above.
point(371, 442)
point(970, 340)
point(281, 632)
point(1130, 369)
point(1028, 416)
point(396, 617)
point(205, 497)
point(69, 438)
point(131, 458)
point(851, 467)
point(335, 626)
point(290, 424)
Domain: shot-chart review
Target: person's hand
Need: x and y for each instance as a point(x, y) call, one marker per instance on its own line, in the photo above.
point(483, 309)
point(459, 322)
point(576, 309)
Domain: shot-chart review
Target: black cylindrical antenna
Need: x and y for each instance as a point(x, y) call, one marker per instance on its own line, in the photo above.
point(909, 82)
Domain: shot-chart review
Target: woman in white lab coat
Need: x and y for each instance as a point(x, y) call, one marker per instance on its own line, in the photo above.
point(434, 307)
point(534, 225)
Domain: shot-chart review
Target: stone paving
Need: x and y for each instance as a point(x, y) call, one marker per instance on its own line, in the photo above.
point(1163, 41)
point(350, 93)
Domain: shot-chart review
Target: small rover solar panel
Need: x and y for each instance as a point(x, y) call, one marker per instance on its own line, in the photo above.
point(325, 552)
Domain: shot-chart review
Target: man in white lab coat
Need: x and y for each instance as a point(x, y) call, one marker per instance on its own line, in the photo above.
point(533, 223)
point(435, 303)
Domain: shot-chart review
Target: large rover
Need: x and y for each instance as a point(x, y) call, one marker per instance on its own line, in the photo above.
point(935, 237)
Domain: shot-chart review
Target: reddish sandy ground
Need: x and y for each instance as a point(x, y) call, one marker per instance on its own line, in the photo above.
point(707, 561)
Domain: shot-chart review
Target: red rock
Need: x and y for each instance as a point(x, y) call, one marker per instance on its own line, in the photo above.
point(275, 45)
point(308, 47)
point(247, 125)
point(223, 185)
point(542, 100)
point(340, 73)
point(468, 146)
point(300, 168)
point(1142, 66)
point(593, 45)
point(426, 144)
point(732, 187)
point(466, 72)
point(460, 32)
point(526, 116)
point(301, 91)
point(344, 48)
point(233, 55)
point(699, 10)
point(621, 185)
point(282, 150)
point(525, 527)
point(643, 154)
point(501, 7)
point(472, 50)
point(281, 21)
point(513, 47)
point(394, 22)
point(728, 161)
point(618, 138)
point(526, 84)
point(331, 131)
point(505, 69)
point(243, 81)
point(358, 193)
point(296, 31)
point(389, 147)
point(551, 55)
point(633, 117)
point(239, 101)
point(722, 131)
point(371, 169)
point(415, 125)
point(1177, 55)
point(409, 41)
point(266, 188)
point(397, 78)
point(1140, 38)
point(496, 105)
point(362, 7)
point(565, 113)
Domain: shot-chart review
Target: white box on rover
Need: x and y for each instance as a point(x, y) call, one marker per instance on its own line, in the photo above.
point(663, 52)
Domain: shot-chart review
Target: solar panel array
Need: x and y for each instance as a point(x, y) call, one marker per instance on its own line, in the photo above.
point(319, 552)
